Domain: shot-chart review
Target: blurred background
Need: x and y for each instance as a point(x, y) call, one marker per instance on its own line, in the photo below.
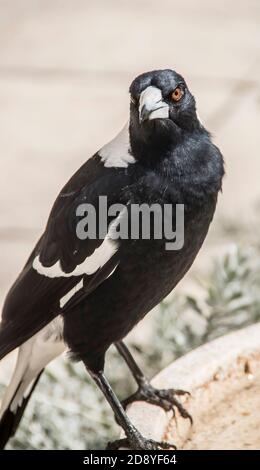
point(65, 70)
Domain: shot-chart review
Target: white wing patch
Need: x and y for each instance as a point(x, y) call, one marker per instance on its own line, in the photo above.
point(70, 294)
point(89, 266)
point(92, 263)
point(117, 153)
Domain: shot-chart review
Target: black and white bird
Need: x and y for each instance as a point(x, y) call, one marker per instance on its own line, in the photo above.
point(87, 294)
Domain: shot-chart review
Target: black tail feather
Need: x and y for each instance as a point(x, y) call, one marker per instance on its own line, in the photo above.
point(10, 421)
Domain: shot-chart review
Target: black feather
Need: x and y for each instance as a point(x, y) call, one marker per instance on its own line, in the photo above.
point(10, 421)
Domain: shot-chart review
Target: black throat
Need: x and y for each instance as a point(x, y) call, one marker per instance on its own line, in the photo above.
point(186, 159)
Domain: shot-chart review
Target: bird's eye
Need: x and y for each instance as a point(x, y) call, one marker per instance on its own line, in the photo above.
point(177, 94)
point(133, 100)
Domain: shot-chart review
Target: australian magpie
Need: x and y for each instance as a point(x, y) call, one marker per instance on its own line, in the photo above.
point(85, 292)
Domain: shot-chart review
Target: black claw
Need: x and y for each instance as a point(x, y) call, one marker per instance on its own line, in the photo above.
point(167, 445)
point(115, 445)
point(140, 444)
point(184, 413)
point(180, 392)
point(164, 398)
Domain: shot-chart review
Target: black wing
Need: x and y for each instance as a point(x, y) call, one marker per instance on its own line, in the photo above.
point(34, 299)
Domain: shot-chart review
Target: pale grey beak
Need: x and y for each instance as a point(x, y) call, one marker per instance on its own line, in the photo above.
point(151, 105)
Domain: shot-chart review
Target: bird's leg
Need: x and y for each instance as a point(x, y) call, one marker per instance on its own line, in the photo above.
point(166, 399)
point(134, 439)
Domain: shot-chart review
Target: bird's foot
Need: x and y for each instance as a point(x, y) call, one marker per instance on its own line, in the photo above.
point(166, 399)
point(138, 442)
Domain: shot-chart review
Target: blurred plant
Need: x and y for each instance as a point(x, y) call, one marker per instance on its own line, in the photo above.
point(231, 301)
point(68, 412)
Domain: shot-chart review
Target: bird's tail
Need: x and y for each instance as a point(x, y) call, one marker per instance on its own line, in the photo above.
point(32, 358)
point(14, 411)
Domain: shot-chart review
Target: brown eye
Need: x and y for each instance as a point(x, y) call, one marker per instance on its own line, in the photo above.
point(177, 94)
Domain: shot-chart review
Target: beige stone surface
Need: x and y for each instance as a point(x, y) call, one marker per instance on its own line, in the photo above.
point(224, 381)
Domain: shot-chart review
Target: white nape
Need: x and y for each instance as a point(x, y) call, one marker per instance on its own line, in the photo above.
point(199, 119)
point(117, 153)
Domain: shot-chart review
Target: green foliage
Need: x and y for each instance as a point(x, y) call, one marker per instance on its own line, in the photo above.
point(68, 412)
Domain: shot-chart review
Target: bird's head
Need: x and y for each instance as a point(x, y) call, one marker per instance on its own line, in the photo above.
point(161, 108)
